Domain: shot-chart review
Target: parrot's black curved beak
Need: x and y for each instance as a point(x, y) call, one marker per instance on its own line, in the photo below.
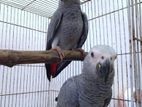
point(104, 68)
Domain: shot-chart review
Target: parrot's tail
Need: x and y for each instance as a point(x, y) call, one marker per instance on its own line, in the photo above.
point(53, 69)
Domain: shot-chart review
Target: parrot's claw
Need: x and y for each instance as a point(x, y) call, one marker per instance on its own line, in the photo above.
point(60, 53)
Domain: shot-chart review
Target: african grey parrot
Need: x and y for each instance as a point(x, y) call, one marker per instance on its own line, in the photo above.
point(68, 30)
point(92, 88)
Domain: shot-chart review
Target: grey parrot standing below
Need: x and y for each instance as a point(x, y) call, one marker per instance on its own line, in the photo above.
point(67, 30)
point(92, 88)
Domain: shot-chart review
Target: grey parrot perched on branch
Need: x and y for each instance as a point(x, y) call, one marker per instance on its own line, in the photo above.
point(92, 88)
point(68, 30)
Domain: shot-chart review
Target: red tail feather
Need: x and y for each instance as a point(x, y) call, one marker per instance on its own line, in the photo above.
point(53, 68)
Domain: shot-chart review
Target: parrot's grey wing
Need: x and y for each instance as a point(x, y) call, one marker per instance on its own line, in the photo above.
point(107, 101)
point(68, 95)
point(61, 66)
point(81, 41)
point(53, 27)
point(84, 31)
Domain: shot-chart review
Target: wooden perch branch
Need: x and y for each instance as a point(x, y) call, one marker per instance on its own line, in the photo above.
point(11, 57)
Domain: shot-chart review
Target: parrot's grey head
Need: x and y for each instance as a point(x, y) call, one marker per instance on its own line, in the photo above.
point(70, 2)
point(99, 63)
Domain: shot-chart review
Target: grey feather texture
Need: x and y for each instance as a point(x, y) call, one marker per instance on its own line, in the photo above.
point(92, 88)
point(68, 29)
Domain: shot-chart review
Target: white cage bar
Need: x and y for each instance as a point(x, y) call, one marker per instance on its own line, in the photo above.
point(23, 26)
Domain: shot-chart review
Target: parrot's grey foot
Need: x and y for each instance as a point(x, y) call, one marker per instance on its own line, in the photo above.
point(59, 51)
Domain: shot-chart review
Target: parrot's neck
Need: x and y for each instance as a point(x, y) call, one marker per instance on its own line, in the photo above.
point(92, 90)
point(96, 79)
point(72, 6)
point(89, 81)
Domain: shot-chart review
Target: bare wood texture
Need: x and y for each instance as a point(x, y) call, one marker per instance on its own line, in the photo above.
point(12, 57)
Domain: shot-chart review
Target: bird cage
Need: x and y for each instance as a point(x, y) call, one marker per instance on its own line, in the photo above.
point(23, 26)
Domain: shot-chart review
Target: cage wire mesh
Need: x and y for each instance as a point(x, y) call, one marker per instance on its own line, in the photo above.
point(111, 22)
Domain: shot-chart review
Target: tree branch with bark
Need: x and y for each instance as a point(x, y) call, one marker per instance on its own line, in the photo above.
point(11, 58)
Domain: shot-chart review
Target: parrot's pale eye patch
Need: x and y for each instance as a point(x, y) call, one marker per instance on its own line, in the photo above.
point(102, 57)
point(92, 54)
